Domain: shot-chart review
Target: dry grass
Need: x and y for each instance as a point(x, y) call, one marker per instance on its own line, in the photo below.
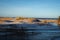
point(29, 20)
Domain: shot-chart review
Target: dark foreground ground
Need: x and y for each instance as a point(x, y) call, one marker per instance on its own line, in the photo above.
point(29, 32)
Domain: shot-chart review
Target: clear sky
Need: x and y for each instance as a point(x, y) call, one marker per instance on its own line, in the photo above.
point(30, 8)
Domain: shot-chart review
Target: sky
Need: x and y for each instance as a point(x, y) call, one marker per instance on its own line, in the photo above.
point(30, 8)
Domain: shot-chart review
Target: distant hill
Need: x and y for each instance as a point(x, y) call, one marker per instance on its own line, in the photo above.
point(33, 17)
point(48, 18)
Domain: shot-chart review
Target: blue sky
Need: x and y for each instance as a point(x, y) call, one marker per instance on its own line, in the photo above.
point(30, 8)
